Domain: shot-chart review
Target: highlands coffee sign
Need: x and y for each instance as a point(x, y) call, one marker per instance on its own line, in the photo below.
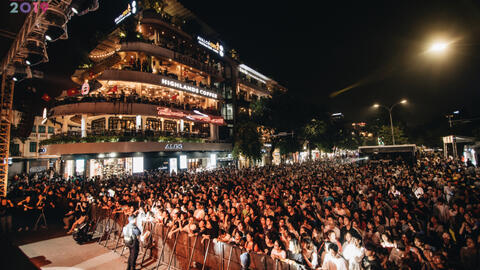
point(188, 88)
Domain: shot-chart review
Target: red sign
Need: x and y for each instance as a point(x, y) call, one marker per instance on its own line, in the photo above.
point(167, 112)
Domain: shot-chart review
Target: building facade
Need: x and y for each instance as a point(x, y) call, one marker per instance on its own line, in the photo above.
point(28, 155)
point(160, 91)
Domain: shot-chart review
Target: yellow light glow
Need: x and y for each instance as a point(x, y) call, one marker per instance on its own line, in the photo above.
point(438, 47)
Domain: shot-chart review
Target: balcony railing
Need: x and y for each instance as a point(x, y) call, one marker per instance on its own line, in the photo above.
point(128, 136)
point(116, 98)
point(252, 84)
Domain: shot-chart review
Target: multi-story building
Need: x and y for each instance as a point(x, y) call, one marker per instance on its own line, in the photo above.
point(161, 91)
point(27, 155)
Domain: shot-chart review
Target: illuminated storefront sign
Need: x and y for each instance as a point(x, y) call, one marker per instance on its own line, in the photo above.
point(131, 9)
point(252, 73)
point(167, 112)
point(85, 88)
point(189, 88)
point(173, 146)
point(216, 47)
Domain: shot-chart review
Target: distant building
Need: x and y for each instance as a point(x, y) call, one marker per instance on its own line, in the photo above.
point(29, 156)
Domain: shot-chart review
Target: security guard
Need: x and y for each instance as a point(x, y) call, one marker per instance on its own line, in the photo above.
point(130, 236)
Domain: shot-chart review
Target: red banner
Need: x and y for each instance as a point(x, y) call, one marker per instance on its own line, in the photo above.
point(204, 118)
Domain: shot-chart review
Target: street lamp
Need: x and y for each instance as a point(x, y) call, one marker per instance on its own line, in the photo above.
point(389, 109)
point(438, 47)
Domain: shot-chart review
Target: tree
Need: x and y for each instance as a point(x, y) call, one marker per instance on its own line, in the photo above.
point(281, 113)
point(314, 133)
point(385, 133)
point(247, 141)
point(157, 5)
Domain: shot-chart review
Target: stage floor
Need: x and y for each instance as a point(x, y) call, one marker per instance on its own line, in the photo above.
point(64, 253)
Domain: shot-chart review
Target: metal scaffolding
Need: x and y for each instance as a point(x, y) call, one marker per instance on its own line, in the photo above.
point(29, 41)
point(5, 123)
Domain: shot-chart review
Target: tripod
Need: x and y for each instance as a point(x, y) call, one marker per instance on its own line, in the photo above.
point(41, 216)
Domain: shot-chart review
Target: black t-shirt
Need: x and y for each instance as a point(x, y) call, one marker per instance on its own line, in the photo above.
point(370, 264)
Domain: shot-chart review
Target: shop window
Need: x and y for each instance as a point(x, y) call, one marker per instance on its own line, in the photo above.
point(227, 111)
point(126, 123)
point(186, 127)
point(33, 147)
point(201, 128)
point(51, 130)
point(153, 124)
point(98, 124)
point(170, 126)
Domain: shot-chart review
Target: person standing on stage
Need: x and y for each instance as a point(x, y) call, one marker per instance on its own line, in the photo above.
point(130, 235)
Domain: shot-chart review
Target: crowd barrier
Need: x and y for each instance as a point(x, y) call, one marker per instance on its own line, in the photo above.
point(180, 251)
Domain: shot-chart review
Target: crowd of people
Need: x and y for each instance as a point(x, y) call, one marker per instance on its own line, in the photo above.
point(321, 215)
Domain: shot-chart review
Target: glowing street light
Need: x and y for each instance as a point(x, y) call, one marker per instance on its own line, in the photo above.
point(438, 47)
point(389, 109)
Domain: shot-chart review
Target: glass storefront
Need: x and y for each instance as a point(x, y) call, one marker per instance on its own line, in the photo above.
point(110, 167)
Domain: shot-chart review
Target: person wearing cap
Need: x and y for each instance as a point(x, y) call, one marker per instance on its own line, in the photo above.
point(130, 234)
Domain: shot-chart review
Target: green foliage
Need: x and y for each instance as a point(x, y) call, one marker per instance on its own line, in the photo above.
point(385, 133)
point(247, 141)
point(157, 5)
point(116, 138)
point(289, 145)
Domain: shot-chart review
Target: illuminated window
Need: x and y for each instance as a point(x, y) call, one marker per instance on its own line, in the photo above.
point(137, 165)
point(170, 126)
point(153, 124)
point(98, 124)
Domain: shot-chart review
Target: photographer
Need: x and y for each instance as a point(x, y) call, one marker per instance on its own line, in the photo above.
point(26, 209)
point(81, 211)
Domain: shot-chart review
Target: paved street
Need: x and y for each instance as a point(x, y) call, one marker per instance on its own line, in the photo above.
point(64, 253)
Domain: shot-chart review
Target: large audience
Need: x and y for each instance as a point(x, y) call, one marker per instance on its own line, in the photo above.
point(323, 215)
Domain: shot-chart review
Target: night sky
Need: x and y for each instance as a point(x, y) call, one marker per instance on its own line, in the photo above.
point(315, 50)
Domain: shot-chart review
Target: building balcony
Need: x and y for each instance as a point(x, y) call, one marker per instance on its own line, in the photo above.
point(125, 106)
point(170, 52)
point(93, 144)
point(101, 136)
point(166, 80)
point(253, 85)
point(132, 99)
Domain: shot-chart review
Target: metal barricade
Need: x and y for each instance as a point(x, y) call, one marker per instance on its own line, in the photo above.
point(181, 251)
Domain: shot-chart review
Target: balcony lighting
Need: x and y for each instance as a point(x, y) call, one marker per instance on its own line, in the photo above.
point(253, 73)
point(202, 114)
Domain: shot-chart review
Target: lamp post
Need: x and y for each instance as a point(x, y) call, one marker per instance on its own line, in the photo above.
point(389, 109)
